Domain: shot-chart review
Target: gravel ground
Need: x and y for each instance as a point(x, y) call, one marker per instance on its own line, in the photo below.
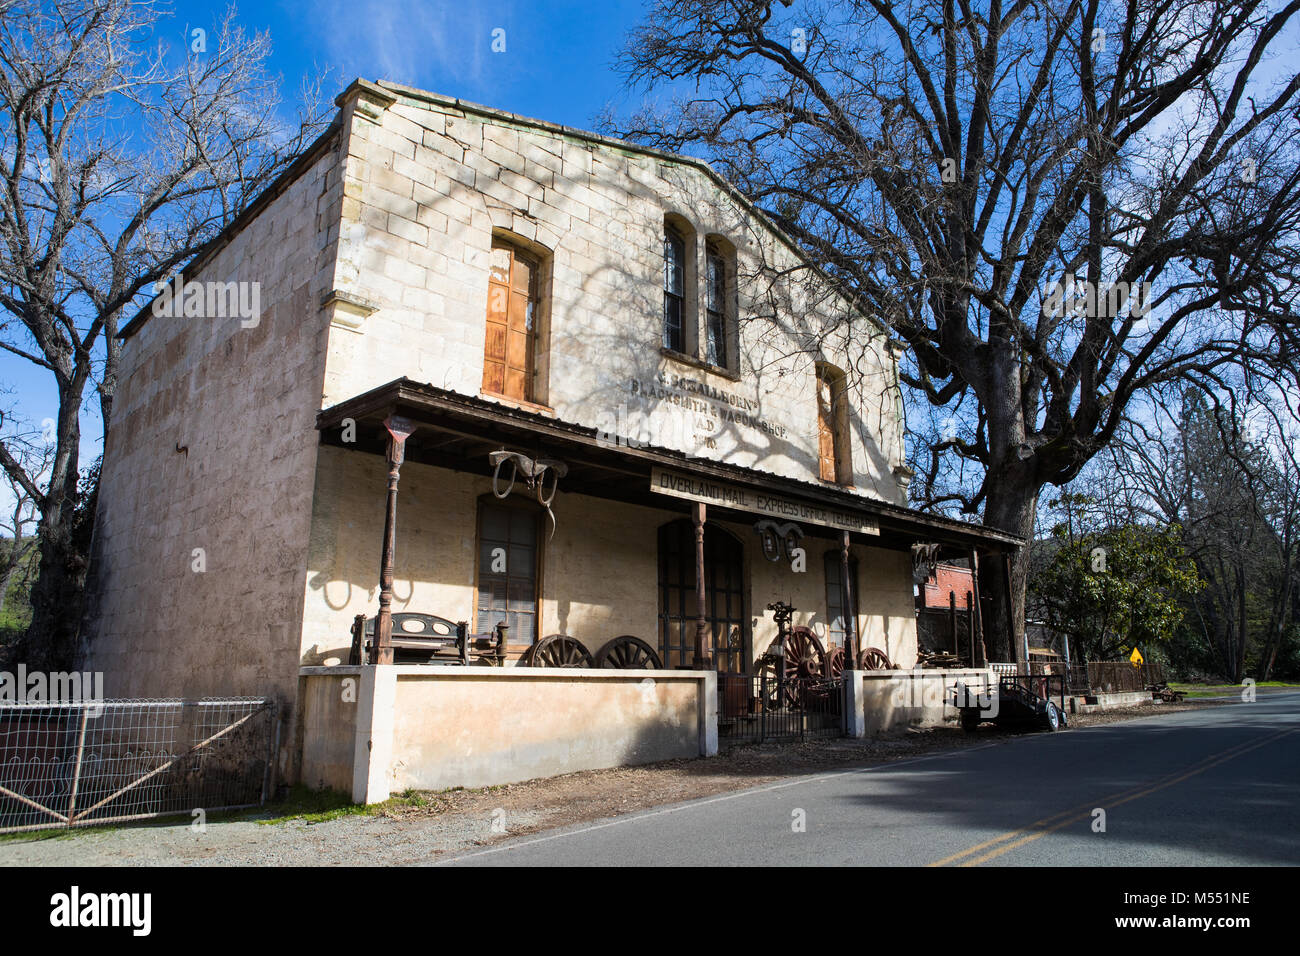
point(454, 821)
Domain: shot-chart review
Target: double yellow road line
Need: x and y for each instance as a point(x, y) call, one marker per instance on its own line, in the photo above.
point(991, 849)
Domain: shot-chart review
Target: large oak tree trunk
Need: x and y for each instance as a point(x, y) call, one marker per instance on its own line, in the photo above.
point(1010, 508)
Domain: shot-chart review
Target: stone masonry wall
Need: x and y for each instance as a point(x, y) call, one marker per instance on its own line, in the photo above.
point(213, 447)
point(428, 182)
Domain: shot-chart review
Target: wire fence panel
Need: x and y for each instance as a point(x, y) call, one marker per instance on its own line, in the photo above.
point(109, 761)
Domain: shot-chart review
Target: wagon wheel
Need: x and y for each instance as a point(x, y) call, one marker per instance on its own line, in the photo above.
point(628, 653)
point(804, 656)
point(835, 663)
point(804, 660)
point(559, 650)
point(874, 659)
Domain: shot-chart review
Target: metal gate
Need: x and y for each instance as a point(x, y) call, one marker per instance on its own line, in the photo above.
point(96, 762)
point(757, 707)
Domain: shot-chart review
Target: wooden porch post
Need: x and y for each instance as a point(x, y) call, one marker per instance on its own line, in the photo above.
point(850, 619)
point(979, 614)
point(381, 649)
point(703, 647)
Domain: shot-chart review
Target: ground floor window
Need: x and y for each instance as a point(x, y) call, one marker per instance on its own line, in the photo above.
point(724, 576)
point(508, 535)
point(835, 596)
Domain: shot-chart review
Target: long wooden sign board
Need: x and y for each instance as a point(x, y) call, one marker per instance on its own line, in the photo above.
point(769, 504)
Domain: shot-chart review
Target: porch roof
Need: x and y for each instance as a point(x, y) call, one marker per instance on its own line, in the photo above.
point(459, 431)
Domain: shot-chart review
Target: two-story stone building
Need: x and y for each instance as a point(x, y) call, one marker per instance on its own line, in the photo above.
point(491, 283)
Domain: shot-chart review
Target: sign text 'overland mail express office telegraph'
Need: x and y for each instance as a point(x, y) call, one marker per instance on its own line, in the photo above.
point(724, 495)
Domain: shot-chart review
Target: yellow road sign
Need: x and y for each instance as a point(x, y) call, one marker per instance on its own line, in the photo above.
point(1135, 658)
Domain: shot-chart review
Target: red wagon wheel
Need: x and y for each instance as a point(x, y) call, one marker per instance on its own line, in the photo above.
point(559, 650)
point(874, 659)
point(628, 653)
point(804, 657)
point(805, 660)
point(835, 663)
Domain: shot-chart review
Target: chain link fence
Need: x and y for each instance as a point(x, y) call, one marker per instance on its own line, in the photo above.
point(110, 761)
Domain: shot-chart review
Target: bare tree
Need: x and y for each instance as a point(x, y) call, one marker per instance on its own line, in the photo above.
point(994, 184)
point(1229, 479)
point(18, 522)
point(120, 160)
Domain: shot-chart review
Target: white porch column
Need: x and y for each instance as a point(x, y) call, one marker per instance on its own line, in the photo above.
point(855, 717)
point(372, 755)
point(708, 711)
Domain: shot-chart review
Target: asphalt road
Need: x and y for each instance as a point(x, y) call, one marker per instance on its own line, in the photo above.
point(1214, 787)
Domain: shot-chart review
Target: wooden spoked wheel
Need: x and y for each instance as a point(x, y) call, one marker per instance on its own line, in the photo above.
point(874, 659)
point(559, 650)
point(804, 656)
point(835, 663)
point(804, 660)
point(628, 653)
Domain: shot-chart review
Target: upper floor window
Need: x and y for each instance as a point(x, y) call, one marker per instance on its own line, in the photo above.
point(674, 290)
point(510, 347)
point(834, 463)
point(716, 307)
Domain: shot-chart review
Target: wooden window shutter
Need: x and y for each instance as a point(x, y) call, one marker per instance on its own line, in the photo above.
point(511, 323)
point(825, 429)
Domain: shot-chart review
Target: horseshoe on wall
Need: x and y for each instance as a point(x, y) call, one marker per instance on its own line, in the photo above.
point(496, 473)
point(534, 472)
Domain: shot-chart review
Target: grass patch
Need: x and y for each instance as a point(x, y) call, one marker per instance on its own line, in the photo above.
point(310, 806)
point(1225, 690)
point(319, 806)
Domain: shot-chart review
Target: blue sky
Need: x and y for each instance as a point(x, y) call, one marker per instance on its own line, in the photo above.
point(557, 66)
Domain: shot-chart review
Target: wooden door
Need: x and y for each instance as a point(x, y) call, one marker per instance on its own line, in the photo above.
point(511, 323)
